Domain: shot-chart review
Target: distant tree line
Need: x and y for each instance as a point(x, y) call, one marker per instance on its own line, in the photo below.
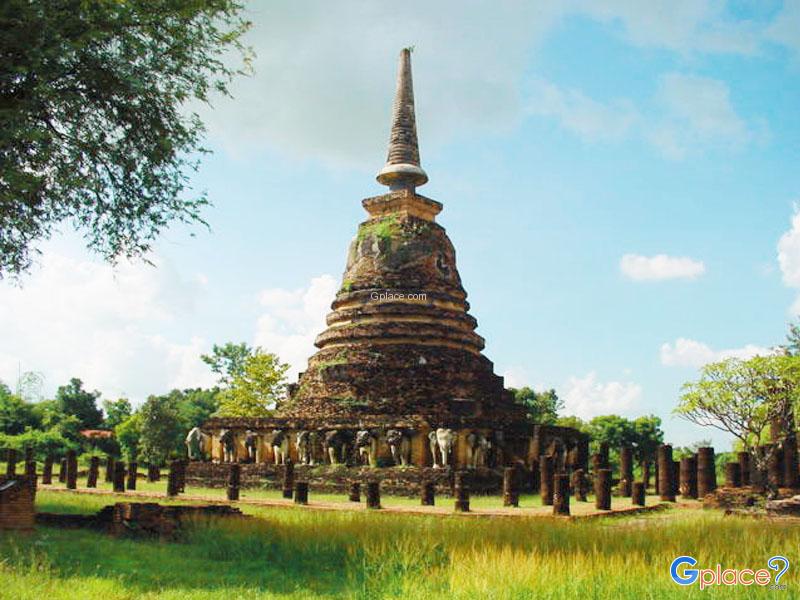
point(251, 383)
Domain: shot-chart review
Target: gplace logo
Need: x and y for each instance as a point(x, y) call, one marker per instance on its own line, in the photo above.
point(719, 576)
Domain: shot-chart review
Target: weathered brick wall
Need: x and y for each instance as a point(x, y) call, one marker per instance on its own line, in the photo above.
point(336, 479)
point(16, 503)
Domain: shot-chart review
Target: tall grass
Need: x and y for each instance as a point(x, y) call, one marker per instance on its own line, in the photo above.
point(286, 553)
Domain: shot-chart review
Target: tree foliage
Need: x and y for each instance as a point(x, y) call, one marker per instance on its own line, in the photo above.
point(743, 398)
point(228, 360)
point(72, 399)
point(96, 126)
point(161, 429)
point(116, 412)
point(542, 407)
point(257, 389)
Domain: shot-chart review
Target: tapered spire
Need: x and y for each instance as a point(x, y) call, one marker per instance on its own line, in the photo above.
point(402, 169)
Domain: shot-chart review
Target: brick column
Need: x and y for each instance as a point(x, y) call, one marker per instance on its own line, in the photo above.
point(301, 492)
point(733, 475)
point(561, 494)
point(354, 494)
point(153, 473)
point(173, 487)
point(94, 468)
point(373, 494)
point(626, 471)
point(11, 465)
point(62, 471)
point(428, 496)
point(744, 466)
point(72, 470)
point(665, 473)
point(638, 493)
point(706, 472)
point(579, 485)
point(546, 479)
point(234, 481)
point(602, 489)
point(119, 477)
point(288, 479)
point(688, 483)
point(109, 469)
point(133, 473)
point(47, 470)
point(461, 490)
point(510, 493)
point(790, 476)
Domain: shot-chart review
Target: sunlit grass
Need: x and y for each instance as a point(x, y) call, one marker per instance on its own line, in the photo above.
point(289, 553)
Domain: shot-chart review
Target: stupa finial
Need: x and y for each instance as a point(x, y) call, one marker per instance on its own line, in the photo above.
point(402, 169)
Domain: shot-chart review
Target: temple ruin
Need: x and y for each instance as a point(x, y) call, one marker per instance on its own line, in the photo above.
point(399, 377)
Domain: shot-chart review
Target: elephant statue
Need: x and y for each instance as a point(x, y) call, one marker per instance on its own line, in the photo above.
point(305, 441)
point(280, 446)
point(442, 440)
point(251, 445)
point(197, 444)
point(228, 441)
point(367, 444)
point(498, 443)
point(400, 446)
point(336, 443)
point(478, 447)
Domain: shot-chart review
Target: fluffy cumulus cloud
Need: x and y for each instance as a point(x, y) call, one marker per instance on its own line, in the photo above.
point(77, 317)
point(685, 352)
point(660, 267)
point(789, 258)
point(291, 319)
point(586, 397)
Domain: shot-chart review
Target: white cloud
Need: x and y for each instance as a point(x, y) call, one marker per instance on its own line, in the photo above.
point(696, 113)
point(789, 258)
point(293, 318)
point(691, 353)
point(660, 267)
point(785, 29)
point(588, 118)
point(81, 318)
point(587, 397)
point(324, 78)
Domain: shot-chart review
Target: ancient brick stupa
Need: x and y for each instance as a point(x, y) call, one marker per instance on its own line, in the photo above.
point(400, 354)
point(400, 341)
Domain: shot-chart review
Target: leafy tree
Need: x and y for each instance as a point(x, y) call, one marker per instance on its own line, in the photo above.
point(793, 340)
point(614, 430)
point(257, 390)
point(129, 434)
point(542, 407)
point(96, 127)
point(15, 414)
point(195, 406)
point(574, 422)
point(743, 398)
point(161, 429)
point(228, 361)
point(73, 400)
point(116, 412)
point(648, 436)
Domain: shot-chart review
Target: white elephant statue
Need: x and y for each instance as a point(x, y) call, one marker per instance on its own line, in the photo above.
point(367, 444)
point(251, 445)
point(197, 444)
point(478, 446)
point(441, 443)
point(400, 446)
point(227, 440)
point(280, 446)
point(305, 447)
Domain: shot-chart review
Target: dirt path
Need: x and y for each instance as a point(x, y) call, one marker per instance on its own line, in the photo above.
point(581, 510)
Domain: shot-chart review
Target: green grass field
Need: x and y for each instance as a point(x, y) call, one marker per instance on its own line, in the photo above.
point(291, 553)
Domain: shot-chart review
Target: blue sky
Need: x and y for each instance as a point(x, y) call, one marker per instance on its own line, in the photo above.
point(619, 180)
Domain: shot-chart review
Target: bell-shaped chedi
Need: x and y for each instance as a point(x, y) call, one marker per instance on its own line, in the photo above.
point(400, 348)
